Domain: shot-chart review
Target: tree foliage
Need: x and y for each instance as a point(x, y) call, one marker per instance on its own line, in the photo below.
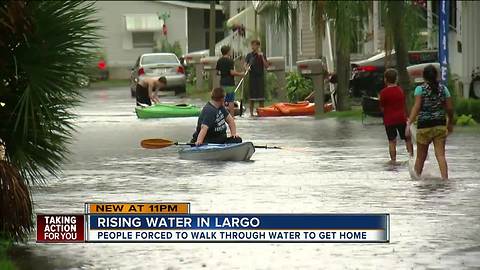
point(396, 34)
point(298, 87)
point(345, 16)
point(279, 13)
point(44, 51)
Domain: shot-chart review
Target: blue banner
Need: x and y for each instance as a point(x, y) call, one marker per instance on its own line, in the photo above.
point(241, 221)
point(443, 17)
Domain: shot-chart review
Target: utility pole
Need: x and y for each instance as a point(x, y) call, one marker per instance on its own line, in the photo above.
point(213, 28)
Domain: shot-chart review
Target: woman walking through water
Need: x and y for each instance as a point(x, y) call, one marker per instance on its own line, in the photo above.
point(433, 106)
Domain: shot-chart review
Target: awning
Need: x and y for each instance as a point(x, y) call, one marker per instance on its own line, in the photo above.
point(191, 4)
point(143, 22)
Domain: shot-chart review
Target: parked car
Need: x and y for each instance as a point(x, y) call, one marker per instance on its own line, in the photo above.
point(156, 65)
point(416, 72)
point(367, 75)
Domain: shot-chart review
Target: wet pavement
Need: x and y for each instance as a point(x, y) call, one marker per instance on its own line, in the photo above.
point(329, 166)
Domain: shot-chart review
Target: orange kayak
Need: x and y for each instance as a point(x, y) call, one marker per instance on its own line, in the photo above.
point(291, 109)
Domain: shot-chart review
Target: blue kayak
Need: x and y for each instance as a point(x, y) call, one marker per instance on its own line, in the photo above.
point(224, 152)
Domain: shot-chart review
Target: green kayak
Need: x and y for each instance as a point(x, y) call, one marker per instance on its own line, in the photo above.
point(167, 110)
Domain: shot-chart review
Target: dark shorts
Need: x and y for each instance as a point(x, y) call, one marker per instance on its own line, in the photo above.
point(393, 130)
point(142, 96)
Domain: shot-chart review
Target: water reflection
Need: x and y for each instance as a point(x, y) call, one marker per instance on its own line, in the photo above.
point(434, 186)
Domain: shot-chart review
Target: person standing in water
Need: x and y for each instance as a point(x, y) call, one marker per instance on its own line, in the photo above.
point(146, 90)
point(257, 63)
point(433, 106)
point(225, 67)
point(393, 105)
point(213, 120)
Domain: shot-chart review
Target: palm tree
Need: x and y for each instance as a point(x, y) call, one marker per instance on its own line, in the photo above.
point(344, 15)
point(45, 49)
point(280, 14)
point(401, 26)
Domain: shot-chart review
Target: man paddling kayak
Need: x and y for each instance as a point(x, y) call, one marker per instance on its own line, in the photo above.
point(213, 120)
point(146, 90)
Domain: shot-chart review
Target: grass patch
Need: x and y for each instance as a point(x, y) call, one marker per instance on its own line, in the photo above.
point(467, 129)
point(5, 262)
point(468, 107)
point(110, 83)
point(353, 114)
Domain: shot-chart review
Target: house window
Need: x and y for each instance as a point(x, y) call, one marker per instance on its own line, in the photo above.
point(142, 40)
point(219, 18)
point(219, 35)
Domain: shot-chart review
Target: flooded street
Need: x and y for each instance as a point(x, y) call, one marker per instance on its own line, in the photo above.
point(328, 166)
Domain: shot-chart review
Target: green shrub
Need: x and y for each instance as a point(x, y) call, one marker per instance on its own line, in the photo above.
point(298, 87)
point(177, 49)
point(466, 120)
point(191, 76)
point(271, 86)
point(165, 47)
point(468, 107)
point(5, 262)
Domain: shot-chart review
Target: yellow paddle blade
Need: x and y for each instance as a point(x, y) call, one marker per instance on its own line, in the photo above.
point(156, 143)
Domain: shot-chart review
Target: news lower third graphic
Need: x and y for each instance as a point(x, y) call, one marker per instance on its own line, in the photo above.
point(173, 222)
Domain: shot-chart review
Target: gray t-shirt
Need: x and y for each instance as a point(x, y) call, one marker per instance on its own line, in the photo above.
point(215, 119)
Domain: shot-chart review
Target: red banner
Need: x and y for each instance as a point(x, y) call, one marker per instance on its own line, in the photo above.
point(60, 228)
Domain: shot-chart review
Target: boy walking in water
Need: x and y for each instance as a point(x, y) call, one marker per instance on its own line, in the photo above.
point(393, 105)
point(257, 63)
point(225, 67)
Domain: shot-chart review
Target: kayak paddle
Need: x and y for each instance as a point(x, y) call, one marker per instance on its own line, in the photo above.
point(162, 143)
point(241, 81)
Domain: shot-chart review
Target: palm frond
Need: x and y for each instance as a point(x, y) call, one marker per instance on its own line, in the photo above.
point(15, 204)
point(347, 17)
point(279, 13)
point(47, 49)
point(317, 12)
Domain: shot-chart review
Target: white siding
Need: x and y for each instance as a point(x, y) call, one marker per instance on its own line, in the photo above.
point(470, 37)
point(117, 40)
point(306, 34)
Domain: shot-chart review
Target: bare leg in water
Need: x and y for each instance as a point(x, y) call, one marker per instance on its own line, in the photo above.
point(409, 145)
point(392, 149)
point(439, 146)
point(422, 152)
point(251, 107)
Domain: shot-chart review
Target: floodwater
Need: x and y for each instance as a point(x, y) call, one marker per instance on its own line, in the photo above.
point(330, 166)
